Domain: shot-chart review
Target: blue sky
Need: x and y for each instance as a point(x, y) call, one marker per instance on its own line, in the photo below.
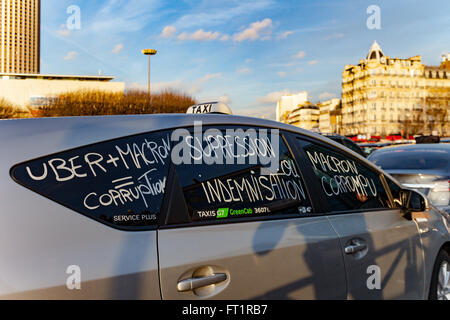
point(247, 53)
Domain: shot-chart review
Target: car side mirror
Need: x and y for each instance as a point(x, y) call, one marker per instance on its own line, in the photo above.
point(413, 201)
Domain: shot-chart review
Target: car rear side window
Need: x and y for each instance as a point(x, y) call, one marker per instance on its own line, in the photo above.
point(348, 184)
point(240, 182)
point(120, 183)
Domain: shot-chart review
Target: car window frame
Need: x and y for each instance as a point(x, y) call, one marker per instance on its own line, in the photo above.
point(102, 222)
point(171, 204)
point(323, 199)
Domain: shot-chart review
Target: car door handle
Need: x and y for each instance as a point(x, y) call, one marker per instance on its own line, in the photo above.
point(355, 247)
point(195, 283)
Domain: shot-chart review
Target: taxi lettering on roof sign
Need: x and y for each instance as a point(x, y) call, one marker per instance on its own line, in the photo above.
point(211, 107)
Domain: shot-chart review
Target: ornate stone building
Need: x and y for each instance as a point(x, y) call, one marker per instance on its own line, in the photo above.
point(383, 96)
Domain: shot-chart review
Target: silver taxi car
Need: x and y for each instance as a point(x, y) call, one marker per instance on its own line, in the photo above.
point(207, 206)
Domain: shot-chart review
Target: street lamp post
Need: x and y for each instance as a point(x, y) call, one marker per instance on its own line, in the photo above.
point(149, 53)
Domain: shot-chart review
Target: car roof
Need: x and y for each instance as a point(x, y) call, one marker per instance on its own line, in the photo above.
point(432, 146)
point(395, 145)
point(46, 133)
point(140, 124)
point(411, 147)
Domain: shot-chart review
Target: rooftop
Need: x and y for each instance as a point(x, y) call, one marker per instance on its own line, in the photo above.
point(25, 76)
point(375, 52)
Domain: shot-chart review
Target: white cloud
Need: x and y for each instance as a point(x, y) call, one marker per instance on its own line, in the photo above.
point(196, 86)
point(182, 36)
point(225, 99)
point(281, 74)
point(300, 55)
point(243, 70)
point(210, 76)
point(199, 35)
point(190, 87)
point(284, 35)
point(117, 16)
point(225, 37)
point(71, 55)
point(160, 86)
point(326, 95)
point(136, 86)
point(267, 112)
point(283, 64)
point(168, 32)
point(313, 62)
point(63, 31)
point(272, 97)
point(117, 48)
point(257, 30)
point(210, 13)
point(335, 36)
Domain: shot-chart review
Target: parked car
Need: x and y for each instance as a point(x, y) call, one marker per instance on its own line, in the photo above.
point(346, 142)
point(424, 167)
point(144, 207)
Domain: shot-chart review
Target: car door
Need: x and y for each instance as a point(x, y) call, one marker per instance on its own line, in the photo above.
point(236, 231)
point(381, 245)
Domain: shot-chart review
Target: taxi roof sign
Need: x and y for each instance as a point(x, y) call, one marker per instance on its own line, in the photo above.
point(210, 107)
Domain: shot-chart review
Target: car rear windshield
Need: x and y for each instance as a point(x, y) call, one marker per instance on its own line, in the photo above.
point(412, 159)
point(120, 183)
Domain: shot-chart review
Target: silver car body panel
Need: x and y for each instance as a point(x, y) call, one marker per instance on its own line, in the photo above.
point(434, 230)
point(393, 245)
point(281, 259)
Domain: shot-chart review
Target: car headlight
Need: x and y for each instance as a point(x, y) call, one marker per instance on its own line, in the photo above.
point(440, 194)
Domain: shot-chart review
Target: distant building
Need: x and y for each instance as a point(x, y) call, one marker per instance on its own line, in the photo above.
point(330, 116)
point(306, 116)
point(20, 80)
point(35, 90)
point(384, 96)
point(288, 103)
point(20, 36)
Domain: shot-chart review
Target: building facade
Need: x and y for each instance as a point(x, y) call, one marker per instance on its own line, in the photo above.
point(33, 90)
point(306, 116)
point(384, 96)
point(330, 116)
point(289, 102)
point(20, 36)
